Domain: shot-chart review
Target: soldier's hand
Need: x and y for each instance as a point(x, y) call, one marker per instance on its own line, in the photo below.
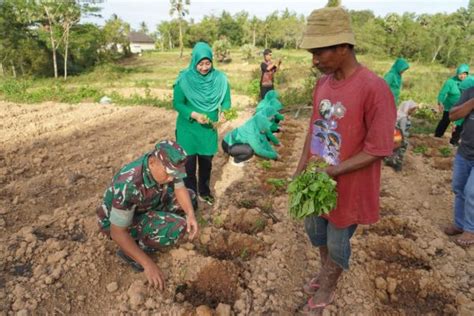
point(154, 276)
point(192, 227)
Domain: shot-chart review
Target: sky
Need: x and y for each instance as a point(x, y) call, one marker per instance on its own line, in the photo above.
point(154, 12)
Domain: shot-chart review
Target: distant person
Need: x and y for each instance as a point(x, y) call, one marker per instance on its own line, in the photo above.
point(200, 93)
point(394, 77)
point(463, 171)
point(448, 96)
point(402, 128)
point(268, 68)
point(351, 128)
point(147, 208)
point(253, 137)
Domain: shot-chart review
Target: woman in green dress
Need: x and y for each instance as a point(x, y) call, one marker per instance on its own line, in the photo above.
point(200, 94)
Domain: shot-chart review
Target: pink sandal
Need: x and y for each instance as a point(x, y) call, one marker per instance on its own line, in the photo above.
point(312, 307)
point(312, 286)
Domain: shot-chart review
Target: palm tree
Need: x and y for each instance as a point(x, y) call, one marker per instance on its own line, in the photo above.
point(179, 7)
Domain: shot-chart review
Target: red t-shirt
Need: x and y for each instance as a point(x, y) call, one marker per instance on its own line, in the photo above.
point(349, 116)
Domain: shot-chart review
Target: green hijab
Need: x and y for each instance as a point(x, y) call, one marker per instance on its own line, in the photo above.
point(271, 99)
point(255, 127)
point(207, 92)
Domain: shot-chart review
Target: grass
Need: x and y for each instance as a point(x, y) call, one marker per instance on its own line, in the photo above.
point(157, 72)
point(421, 149)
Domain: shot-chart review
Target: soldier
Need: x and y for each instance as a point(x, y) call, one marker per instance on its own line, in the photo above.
point(143, 208)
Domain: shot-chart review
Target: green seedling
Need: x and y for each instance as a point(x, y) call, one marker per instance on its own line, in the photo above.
point(217, 221)
point(230, 114)
point(244, 254)
point(421, 149)
point(277, 183)
point(259, 225)
point(445, 151)
point(265, 164)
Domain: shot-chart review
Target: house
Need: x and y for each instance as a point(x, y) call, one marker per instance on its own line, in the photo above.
point(139, 42)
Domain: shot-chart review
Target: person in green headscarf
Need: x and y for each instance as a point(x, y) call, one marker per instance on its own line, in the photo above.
point(251, 138)
point(271, 101)
point(200, 94)
point(273, 115)
point(448, 96)
point(394, 77)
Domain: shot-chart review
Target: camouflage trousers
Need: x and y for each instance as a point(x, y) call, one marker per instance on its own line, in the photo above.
point(396, 159)
point(156, 229)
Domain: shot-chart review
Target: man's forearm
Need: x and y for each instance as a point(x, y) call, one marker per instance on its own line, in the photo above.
point(461, 111)
point(182, 195)
point(354, 163)
point(121, 236)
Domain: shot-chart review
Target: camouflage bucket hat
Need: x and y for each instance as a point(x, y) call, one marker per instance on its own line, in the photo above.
point(327, 27)
point(173, 158)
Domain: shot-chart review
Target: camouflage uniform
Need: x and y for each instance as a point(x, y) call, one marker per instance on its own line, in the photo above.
point(149, 210)
point(396, 159)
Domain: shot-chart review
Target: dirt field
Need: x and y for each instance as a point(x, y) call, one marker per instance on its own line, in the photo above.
point(250, 258)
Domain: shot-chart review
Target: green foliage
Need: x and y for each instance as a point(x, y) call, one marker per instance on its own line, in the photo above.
point(426, 113)
point(420, 149)
point(445, 151)
point(265, 164)
point(254, 88)
point(312, 193)
point(259, 225)
point(247, 51)
point(221, 49)
point(230, 114)
point(277, 183)
point(217, 221)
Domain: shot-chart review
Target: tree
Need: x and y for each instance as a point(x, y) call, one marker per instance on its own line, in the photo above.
point(179, 8)
point(143, 27)
point(333, 3)
point(116, 35)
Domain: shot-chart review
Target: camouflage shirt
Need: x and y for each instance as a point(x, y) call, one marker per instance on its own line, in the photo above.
point(133, 191)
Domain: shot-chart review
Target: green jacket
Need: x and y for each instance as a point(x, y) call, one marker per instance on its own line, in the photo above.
point(394, 77)
point(450, 91)
point(272, 114)
point(256, 133)
point(195, 138)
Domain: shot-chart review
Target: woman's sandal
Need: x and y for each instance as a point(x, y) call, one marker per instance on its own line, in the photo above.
point(311, 308)
point(312, 286)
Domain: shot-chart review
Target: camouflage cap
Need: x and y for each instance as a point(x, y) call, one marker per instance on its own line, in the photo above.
point(328, 27)
point(173, 158)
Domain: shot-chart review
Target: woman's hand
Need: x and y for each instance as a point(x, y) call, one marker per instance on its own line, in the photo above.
point(192, 227)
point(200, 118)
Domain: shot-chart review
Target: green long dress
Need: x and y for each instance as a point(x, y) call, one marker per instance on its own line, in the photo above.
point(206, 94)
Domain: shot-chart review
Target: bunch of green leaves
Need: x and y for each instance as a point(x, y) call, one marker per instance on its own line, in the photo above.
point(312, 193)
point(445, 151)
point(230, 114)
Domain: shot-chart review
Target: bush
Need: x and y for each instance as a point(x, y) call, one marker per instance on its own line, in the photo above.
point(247, 51)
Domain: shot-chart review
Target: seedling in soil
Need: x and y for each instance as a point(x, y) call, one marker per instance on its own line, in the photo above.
point(259, 225)
point(247, 203)
point(445, 151)
point(244, 254)
point(421, 149)
point(217, 221)
point(202, 222)
point(277, 183)
point(265, 164)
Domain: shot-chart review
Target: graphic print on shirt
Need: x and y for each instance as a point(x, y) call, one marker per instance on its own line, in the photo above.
point(325, 140)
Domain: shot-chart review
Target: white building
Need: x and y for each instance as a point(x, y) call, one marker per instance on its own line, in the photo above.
point(139, 42)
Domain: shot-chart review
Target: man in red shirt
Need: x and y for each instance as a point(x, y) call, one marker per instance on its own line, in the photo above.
point(352, 130)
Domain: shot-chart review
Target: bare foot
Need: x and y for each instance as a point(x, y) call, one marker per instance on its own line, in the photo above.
point(452, 230)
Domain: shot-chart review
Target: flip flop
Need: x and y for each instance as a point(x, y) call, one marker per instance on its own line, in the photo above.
point(312, 286)
point(312, 307)
point(452, 230)
point(465, 242)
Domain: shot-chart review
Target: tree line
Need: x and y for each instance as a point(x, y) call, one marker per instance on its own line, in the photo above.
point(48, 38)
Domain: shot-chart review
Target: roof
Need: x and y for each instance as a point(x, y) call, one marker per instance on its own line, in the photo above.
point(140, 37)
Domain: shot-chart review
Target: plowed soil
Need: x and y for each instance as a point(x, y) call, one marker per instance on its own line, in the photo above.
point(250, 258)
